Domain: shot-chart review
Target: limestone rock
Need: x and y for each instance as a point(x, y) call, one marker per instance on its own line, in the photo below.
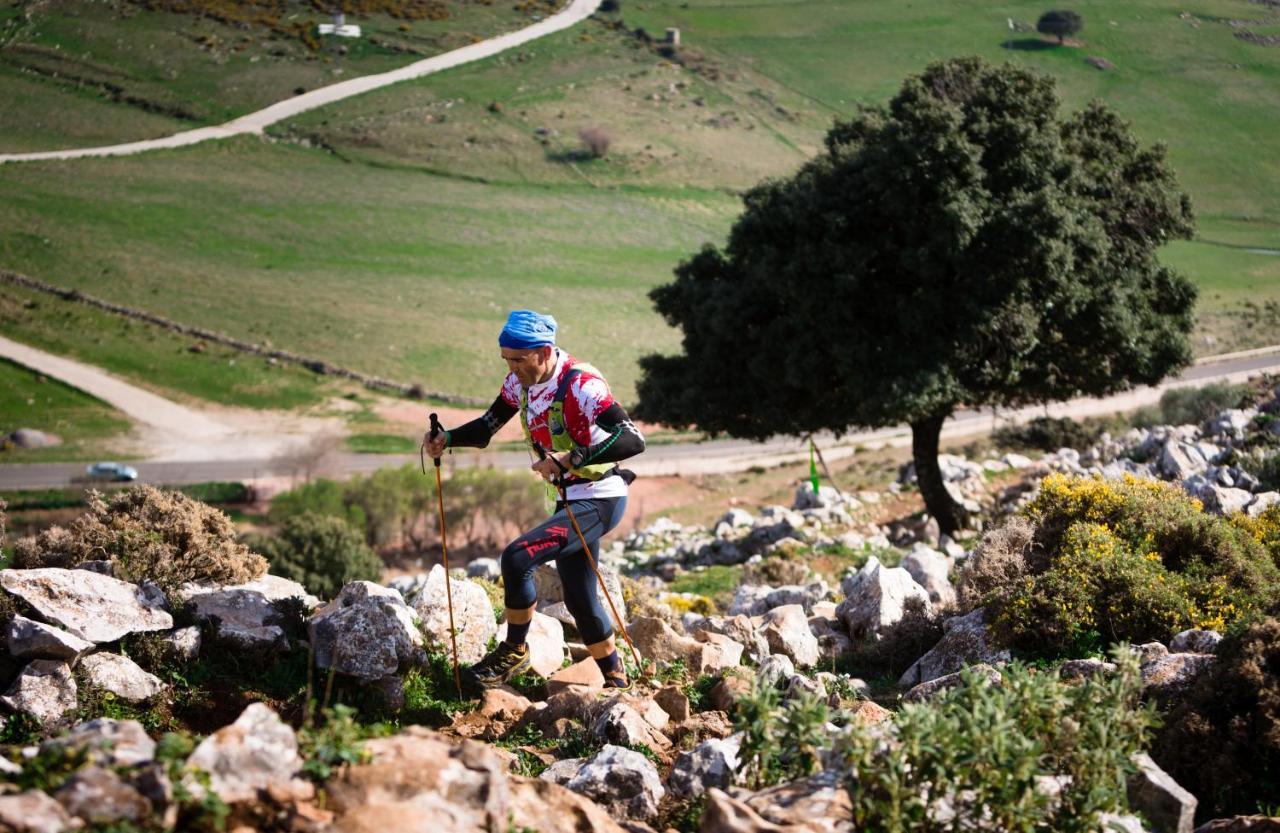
point(562, 772)
point(672, 700)
point(1174, 672)
point(875, 597)
point(91, 606)
point(624, 782)
point(1195, 641)
point(29, 639)
point(486, 568)
point(183, 643)
point(1225, 500)
point(620, 723)
point(733, 684)
point(929, 690)
point(584, 675)
point(868, 713)
point(472, 616)
point(711, 763)
point(787, 630)
point(741, 629)
point(108, 742)
point(776, 671)
point(1166, 806)
point(244, 612)
point(420, 782)
point(717, 653)
point(1241, 824)
point(45, 689)
point(546, 581)
point(929, 568)
point(100, 796)
point(817, 804)
point(1080, 669)
point(33, 812)
point(546, 644)
point(658, 641)
point(257, 752)
point(367, 632)
point(965, 641)
point(121, 676)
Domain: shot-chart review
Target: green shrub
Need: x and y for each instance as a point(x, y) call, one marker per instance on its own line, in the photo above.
point(320, 552)
point(980, 748)
point(1264, 464)
point(1045, 434)
point(1192, 406)
point(1222, 741)
point(318, 497)
point(148, 534)
point(336, 743)
point(779, 742)
point(1118, 561)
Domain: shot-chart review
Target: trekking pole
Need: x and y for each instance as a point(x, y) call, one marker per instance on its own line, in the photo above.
point(436, 430)
point(564, 497)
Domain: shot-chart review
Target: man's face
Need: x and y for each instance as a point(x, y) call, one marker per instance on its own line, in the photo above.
point(530, 366)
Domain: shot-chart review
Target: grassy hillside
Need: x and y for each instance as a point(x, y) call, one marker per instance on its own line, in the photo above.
point(392, 232)
point(75, 73)
point(86, 426)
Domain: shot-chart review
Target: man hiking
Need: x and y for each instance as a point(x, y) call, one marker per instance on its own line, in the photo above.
point(579, 434)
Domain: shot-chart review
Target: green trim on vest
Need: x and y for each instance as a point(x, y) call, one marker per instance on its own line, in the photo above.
point(561, 440)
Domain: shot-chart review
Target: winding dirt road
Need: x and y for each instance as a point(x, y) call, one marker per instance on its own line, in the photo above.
point(191, 445)
point(255, 123)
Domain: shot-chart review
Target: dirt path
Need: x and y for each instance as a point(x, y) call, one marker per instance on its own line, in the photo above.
point(168, 431)
point(255, 123)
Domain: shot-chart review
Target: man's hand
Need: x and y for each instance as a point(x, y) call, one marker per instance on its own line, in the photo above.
point(547, 468)
point(435, 443)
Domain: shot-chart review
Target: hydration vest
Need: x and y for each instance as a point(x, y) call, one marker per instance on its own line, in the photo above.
point(561, 439)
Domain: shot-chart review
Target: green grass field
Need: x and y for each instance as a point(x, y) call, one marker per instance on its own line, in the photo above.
point(80, 73)
point(88, 428)
point(440, 204)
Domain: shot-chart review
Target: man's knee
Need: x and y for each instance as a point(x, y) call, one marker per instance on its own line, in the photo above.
point(514, 561)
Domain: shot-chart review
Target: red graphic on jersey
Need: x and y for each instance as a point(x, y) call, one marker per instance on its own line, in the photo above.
point(588, 396)
point(553, 536)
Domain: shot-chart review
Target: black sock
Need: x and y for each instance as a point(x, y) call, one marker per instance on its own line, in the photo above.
point(517, 634)
point(611, 664)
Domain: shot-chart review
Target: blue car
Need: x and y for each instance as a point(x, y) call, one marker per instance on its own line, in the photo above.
point(111, 471)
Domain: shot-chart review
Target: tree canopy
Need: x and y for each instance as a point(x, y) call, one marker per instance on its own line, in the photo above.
point(1060, 23)
point(964, 245)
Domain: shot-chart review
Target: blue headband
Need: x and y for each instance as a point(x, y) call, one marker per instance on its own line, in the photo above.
point(527, 329)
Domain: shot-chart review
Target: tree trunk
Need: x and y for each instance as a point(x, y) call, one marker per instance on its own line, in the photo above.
point(924, 451)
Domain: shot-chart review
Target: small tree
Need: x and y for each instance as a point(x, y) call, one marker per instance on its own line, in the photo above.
point(1060, 23)
point(320, 552)
point(596, 140)
point(965, 245)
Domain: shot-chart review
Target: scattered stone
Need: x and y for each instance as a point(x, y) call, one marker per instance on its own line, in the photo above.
point(929, 690)
point(121, 676)
point(1098, 62)
point(546, 644)
point(45, 689)
point(1195, 641)
point(733, 684)
point(32, 438)
point(91, 606)
point(711, 763)
point(1081, 669)
point(787, 631)
point(620, 723)
point(33, 812)
point(672, 700)
point(257, 752)
point(1241, 824)
point(624, 782)
point(817, 804)
point(244, 612)
point(584, 675)
point(929, 568)
point(658, 641)
point(875, 597)
point(776, 671)
point(1224, 500)
point(367, 632)
point(472, 615)
point(486, 568)
point(1174, 672)
point(99, 796)
point(1114, 823)
point(28, 639)
point(965, 641)
point(562, 772)
point(108, 742)
point(183, 643)
point(1168, 807)
point(717, 653)
point(868, 713)
point(500, 708)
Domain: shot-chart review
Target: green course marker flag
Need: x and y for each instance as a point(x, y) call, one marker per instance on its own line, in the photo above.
point(813, 467)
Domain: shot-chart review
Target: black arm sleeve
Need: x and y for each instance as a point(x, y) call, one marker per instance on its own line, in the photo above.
point(478, 432)
point(624, 440)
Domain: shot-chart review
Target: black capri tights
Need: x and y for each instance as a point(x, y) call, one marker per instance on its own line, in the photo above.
point(555, 540)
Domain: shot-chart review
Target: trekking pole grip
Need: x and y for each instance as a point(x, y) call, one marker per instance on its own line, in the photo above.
point(436, 430)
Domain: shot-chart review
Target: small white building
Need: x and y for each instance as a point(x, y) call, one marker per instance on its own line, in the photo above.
point(339, 27)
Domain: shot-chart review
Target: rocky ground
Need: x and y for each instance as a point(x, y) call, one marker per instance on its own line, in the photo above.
point(815, 616)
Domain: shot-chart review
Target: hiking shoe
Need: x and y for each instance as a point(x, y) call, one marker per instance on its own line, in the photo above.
point(500, 665)
point(616, 682)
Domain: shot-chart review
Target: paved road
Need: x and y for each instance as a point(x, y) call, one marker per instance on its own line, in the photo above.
point(714, 456)
point(254, 123)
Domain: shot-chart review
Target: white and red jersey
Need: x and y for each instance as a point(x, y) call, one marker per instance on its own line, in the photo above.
point(587, 397)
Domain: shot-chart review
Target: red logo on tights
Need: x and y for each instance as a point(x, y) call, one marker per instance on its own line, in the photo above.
point(555, 536)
